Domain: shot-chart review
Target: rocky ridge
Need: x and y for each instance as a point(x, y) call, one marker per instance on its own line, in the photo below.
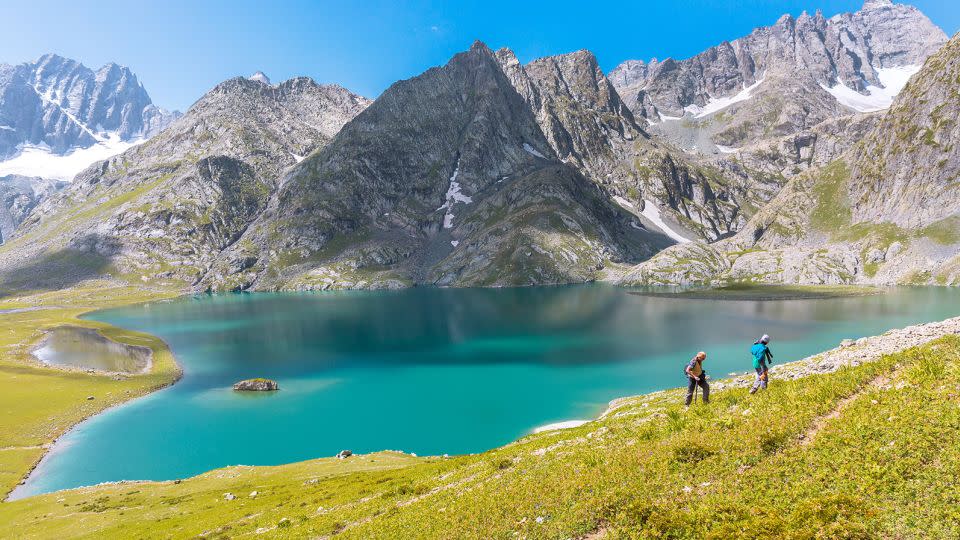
point(60, 104)
point(783, 78)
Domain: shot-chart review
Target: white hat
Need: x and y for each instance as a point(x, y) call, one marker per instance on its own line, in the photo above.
point(765, 339)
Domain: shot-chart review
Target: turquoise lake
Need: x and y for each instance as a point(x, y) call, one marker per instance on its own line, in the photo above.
point(429, 371)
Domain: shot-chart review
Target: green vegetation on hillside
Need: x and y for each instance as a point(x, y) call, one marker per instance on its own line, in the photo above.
point(830, 191)
point(864, 452)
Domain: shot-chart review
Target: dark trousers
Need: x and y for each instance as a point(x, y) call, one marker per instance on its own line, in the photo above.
point(692, 386)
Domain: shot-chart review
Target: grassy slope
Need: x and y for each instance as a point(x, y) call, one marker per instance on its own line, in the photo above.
point(809, 458)
point(38, 404)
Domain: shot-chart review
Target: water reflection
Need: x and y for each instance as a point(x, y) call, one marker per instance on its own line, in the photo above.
point(85, 348)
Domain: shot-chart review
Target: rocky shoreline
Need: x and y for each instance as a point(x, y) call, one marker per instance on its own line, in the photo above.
point(849, 353)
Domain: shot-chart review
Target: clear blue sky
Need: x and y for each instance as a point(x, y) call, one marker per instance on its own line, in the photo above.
point(180, 49)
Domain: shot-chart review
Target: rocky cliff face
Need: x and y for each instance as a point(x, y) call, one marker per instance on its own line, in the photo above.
point(18, 197)
point(61, 104)
point(784, 78)
point(886, 211)
point(588, 126)
point(166, 208)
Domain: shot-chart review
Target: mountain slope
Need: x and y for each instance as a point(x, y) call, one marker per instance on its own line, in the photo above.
point(884, 212)
point(446, 178)
point(166, 208)
point(783, 78)
point(18, 196)
point(56, 105)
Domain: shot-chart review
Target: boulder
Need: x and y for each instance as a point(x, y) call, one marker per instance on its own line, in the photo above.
point(344, 454)
point(256, 385)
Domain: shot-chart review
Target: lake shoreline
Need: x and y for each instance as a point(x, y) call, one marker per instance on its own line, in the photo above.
point(162, 364)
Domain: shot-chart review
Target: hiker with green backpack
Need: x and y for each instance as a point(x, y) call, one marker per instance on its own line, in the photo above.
point(761, 358)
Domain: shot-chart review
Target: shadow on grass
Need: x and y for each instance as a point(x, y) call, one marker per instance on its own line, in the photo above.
point(86, 258)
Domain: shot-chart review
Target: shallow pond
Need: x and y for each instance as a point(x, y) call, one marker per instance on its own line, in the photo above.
point(85, 348)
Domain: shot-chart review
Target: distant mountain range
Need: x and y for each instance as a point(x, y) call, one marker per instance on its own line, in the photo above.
point(488, 172)
point(782, 78)
point(57, 106)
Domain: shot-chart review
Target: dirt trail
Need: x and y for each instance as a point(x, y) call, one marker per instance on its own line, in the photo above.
point(821, 422)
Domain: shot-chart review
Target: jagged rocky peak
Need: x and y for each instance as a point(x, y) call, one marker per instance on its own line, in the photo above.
point(787, 77)
point(110, 99)
point(260, 77)
point(55, 105)
point(782, 79)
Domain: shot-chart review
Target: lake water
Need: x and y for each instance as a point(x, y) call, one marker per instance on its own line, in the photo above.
point(430, 371)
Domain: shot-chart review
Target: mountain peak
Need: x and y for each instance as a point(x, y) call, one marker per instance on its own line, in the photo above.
point(479, 46)
point(260, 76)
point(876, 4)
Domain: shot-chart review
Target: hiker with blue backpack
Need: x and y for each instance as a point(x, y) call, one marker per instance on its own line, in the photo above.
point(762, 357)
point(697, 376)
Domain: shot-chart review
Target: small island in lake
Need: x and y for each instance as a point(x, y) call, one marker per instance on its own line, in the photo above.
point(256, 385)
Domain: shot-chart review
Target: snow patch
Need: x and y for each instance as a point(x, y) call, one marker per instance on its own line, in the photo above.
point(651, 212)
point(623, 202)
point(296, 157)
point(39, 160)
point(727, 149)
point(877, 98)
point(260, 77)
point(8, 128)
point(533, 151)
point(720, 103)
point(664, 118)
point(453, 196)
point(454, 243)
point(560, 425)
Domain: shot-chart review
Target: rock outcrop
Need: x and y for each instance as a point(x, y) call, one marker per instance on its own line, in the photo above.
point(256, 385)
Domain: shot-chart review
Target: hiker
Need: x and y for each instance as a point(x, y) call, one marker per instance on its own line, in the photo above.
point(697, 376)
point(761, 358)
